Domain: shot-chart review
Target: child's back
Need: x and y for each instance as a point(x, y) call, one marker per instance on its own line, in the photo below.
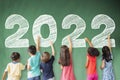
point(34, 61)
point(91, 69)
point(14, 68)
point(108, 69)
point(47, 64)
point(47, 69)
point(66, 62)
point(106, 65)
point(91, 62)
point(68, 72)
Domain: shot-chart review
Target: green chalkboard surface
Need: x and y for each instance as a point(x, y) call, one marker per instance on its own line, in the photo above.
point(22, 20)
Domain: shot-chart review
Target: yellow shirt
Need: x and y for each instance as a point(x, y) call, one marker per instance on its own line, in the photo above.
point(14, 70)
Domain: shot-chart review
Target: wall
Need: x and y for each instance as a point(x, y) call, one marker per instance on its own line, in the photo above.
point(22, 20)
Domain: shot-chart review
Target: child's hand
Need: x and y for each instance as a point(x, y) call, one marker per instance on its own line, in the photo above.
point(53, 51)
point(88, 41)
point(108, 36)
point(86, 38)
point(51, 43)
point(68, 37)
point(38, 38)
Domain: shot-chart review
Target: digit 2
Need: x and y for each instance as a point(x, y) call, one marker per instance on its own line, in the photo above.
point(80, 28)
point(100, 39)
point(14, 40)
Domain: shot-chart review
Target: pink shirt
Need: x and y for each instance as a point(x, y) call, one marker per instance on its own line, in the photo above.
point(67, 72)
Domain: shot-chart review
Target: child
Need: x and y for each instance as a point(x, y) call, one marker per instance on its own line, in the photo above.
point(47, 64)
point(107, 62)
point(34, 61)
point(14, 68)
point(91, 62)
point(66, 62)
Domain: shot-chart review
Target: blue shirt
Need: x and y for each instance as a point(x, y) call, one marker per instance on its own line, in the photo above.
point(108, 70)
point(47, 69)
point(34, 62)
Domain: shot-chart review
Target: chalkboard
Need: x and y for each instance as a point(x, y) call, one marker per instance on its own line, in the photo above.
point(22, 20)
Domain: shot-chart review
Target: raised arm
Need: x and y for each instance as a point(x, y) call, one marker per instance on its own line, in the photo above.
point(38, 43)
point(109, 43)
point(89, 42)
point(70, 44)
point(53, 51)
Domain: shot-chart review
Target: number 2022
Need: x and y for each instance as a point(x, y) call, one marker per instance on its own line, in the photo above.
point(15, 41)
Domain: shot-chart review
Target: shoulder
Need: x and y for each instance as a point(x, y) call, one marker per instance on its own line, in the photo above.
point(11, 63)
point(22, 66)
point(41, 64)
point(38, 53)
point(21, 63)
point(29, 58)
point(52, 57)
point(103, 60)
point(8, 64)
point(88, 56)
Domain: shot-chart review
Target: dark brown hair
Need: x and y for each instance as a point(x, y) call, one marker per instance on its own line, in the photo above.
point(32, 49)
point(106, 53)
point(64, 56)
point(15, 56)
point(93, 51)
point(45, 57)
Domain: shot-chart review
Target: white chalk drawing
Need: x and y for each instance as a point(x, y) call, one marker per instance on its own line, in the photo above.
point(73, 19)
point(50, 21)
point(14, 40)
point(101, 39)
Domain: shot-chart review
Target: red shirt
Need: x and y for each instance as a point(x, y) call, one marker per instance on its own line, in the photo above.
point(91, 69)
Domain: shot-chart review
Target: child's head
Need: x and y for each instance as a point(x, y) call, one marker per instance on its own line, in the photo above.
point(64, 56)
point(93, 51)
point(15, 56)
point(106, 53)
point(45, 57)
point(32, 49)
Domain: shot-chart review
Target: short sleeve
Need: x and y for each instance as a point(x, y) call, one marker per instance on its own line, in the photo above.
point(22, 67)
point(52, 59)
point(7, 68)
point(29, 62)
